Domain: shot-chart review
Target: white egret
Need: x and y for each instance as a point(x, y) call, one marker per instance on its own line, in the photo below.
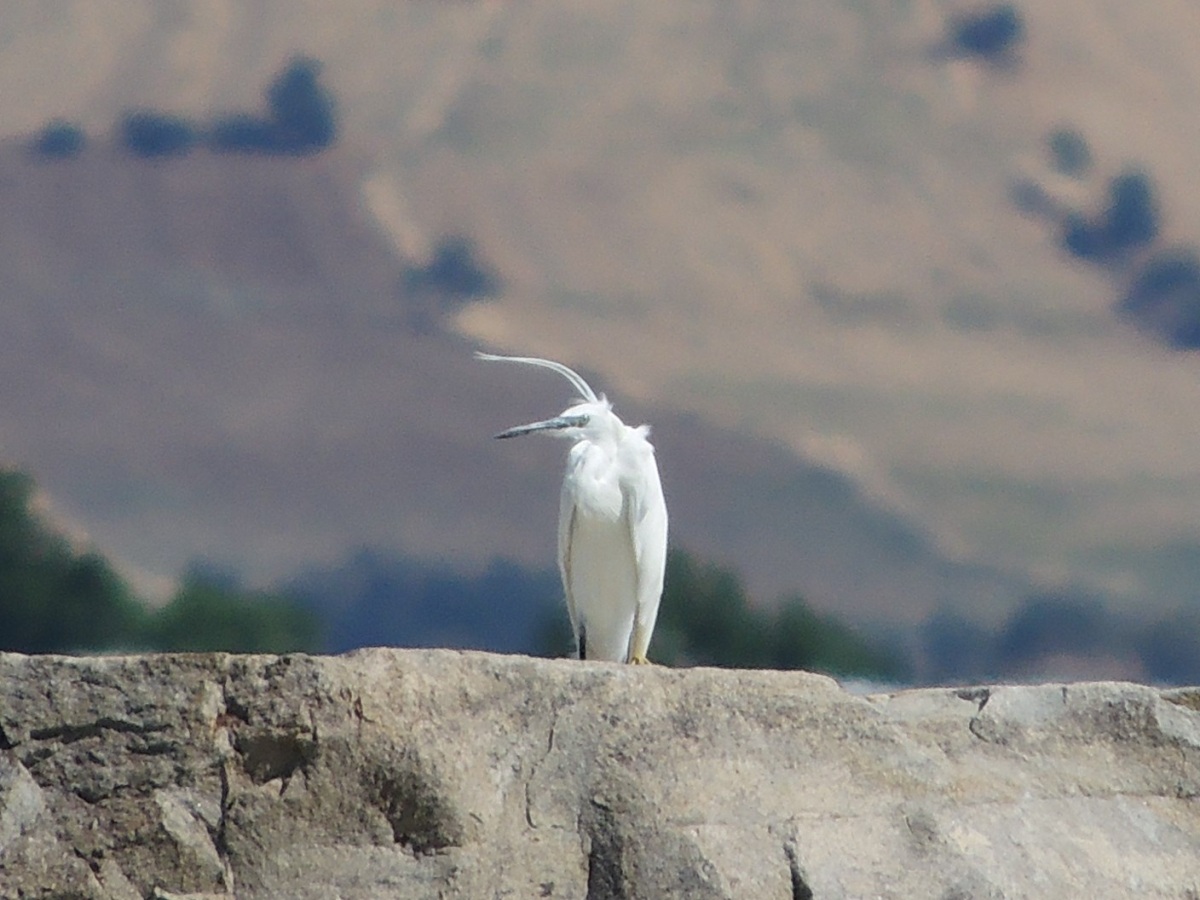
point(612, 526)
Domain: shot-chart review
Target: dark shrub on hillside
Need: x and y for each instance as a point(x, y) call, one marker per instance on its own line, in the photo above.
point(302, 115)
point(1131, 220)
point(993, 32)
point(455, 270)
point(1132, 217)
point(1030, 196)
point(148, 133)
point(1083, 238)
point(956, 648)
point(1164, 297)
point(454, 276)
point(56, 598)
point(707, 618)
point(1070, 152)
point(1170, 649)
point(214, 613)
point(383, 599)
point(59, 140)
point(242, 133)
point(1045, 626)
point(53, 597)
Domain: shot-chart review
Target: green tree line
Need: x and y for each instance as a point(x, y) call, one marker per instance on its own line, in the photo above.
point(55, 598)
point(706, 618)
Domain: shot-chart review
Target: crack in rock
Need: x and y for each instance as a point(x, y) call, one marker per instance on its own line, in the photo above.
point(799, 883)
point(69, 734)
point(535, 765)
point(978, 695)
point(978, 726)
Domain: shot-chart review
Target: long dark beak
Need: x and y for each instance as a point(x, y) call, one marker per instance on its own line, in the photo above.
point(555, 424)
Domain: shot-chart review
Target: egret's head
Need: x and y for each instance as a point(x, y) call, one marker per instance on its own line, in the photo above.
point(564, 425)
point(593, 414)
point(573, 423)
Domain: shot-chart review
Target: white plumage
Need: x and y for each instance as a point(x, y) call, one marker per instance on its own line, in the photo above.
point(612, 527)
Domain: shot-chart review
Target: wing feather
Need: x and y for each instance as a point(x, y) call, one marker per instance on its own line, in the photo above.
point(566, 534)
point(646, 512)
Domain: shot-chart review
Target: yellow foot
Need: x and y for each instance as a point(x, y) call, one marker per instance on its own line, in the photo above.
point(640, 661)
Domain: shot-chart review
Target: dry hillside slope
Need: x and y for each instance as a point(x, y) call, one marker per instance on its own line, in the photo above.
point(791, 219)
point(235, 374)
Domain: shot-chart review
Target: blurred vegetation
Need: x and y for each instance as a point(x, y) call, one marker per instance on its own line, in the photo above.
point(377, 598)
point(454, 270)
point(57, 599)
point(1069, 152)
point(993, 32)
point(211, 613)
point(1083, 238)
point(301, 116)
point(1170, 647)
point(59, 139)
point(1164, 297)
point(1130, 220)
point(301, 110)
point(1161, 285)
point(454, 276)
point(241, 132)
point(707, 619)
point(1050, 627)
point(955, 649)
point(53, 598)
point(148, 133)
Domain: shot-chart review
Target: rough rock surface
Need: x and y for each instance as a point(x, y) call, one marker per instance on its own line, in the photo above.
point(443, 774)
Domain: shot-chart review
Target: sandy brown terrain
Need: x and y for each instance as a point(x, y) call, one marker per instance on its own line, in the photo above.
point(794, 221)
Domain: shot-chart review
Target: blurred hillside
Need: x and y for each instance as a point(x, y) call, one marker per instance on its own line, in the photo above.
point(818, 245)
point(241, 369)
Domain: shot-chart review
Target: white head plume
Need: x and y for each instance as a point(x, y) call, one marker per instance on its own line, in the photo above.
point(585, 390)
